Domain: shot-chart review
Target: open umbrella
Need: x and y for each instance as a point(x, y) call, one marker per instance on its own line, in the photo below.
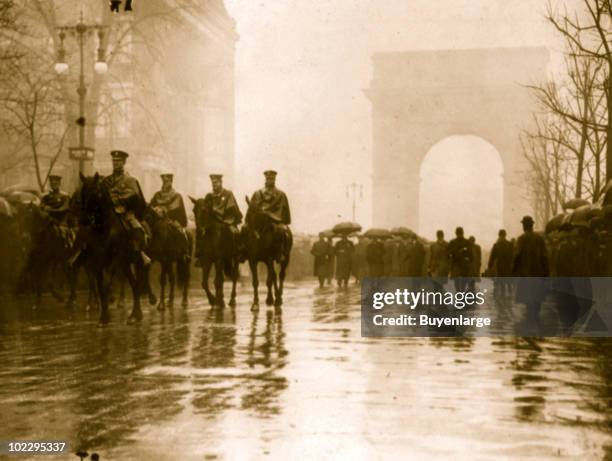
point(403, 231)
point(582, 216)
point(23, 196)
point(575, 203)
point(555, 222)
point(5, 207)
point(346, 228)
point(19, 187)
point(378, 233)
point(327, 233)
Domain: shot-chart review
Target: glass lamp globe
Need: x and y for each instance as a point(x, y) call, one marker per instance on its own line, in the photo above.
point(61, 67)
point(101, 67)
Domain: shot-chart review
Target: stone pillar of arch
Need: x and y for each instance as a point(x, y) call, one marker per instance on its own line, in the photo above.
point(421, 97)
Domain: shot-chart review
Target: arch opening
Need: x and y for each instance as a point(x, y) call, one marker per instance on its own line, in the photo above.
point(461, 184)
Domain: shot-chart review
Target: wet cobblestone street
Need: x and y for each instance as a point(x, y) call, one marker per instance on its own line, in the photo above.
point(194, 384)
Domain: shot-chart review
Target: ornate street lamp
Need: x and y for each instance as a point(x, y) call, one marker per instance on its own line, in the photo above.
point(80, 30)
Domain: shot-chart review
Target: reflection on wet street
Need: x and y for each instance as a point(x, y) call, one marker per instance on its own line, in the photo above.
point(194, 384)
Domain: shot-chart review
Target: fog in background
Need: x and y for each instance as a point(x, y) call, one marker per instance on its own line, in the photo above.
point(302, 65)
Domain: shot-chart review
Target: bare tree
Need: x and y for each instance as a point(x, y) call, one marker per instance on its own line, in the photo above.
point(551, 169)
point(589, 32)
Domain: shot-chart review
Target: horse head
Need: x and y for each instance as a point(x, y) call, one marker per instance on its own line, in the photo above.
point(93, 199)
point(255, 218)
point(200, 212)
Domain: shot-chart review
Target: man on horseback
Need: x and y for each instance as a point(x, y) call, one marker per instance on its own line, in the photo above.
point(273, 203)
point(55, 206)
point(169, 203)
point(267, 238)
point(222, 206)
point(128, 202)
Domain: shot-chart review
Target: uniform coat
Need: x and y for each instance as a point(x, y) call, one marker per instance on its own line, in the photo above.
point(224, 207)
point(273, 203)
point(171, 202)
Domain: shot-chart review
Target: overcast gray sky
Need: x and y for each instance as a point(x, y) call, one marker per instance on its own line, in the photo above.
point(302, 66)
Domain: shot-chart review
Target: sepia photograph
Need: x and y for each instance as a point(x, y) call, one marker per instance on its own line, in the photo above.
point(306, 230)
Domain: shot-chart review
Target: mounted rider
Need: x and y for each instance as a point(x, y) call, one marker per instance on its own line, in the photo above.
point(169, 203)
point(128, 202)
point(222, 206)
point(273, 203)
point(55, 206)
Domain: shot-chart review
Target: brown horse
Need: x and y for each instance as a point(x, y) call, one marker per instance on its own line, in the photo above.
point(107, 246)
point(270, 243)
point(170, 247)
point(218, 247)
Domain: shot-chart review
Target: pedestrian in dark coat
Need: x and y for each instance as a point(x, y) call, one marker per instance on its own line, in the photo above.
point(344, 254)
point(500, 263)
point(376, 258)
point(475, 264)
point(460, 258)
point(391, 257)
point(438, 261)
point(322, 251)
point(530, 261)
point(360, 259)
point(330, 260)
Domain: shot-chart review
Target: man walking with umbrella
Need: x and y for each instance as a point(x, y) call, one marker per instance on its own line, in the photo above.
point(343, 250)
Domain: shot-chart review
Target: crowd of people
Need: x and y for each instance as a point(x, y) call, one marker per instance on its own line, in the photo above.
point(405, 254)
point(401, 254)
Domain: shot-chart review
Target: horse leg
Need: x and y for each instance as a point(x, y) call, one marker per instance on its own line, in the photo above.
point(206, 265)
point(171, 280)
point(121, 301)
point(56, 283)
point(103, 294)
point(143, 281)
point(281, 283)
point(184, 268)
point(219, 283)
point(73, 273)
point(162, 286)
point(270, 281)
point(255, 282)
point(232, 301)
point(134, 281)
point(93, 300)
point(37, 277)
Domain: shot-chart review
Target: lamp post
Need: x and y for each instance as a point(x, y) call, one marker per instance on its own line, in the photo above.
point(351, 190)
point(80, 30)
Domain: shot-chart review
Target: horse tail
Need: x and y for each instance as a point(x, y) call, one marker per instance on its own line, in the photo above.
point(182, 271)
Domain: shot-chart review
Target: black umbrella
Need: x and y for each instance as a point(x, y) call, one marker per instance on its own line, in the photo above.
point(378, 233)
point(575, 203)
point(555, 222)
point(346, 228)
point(403, 231)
